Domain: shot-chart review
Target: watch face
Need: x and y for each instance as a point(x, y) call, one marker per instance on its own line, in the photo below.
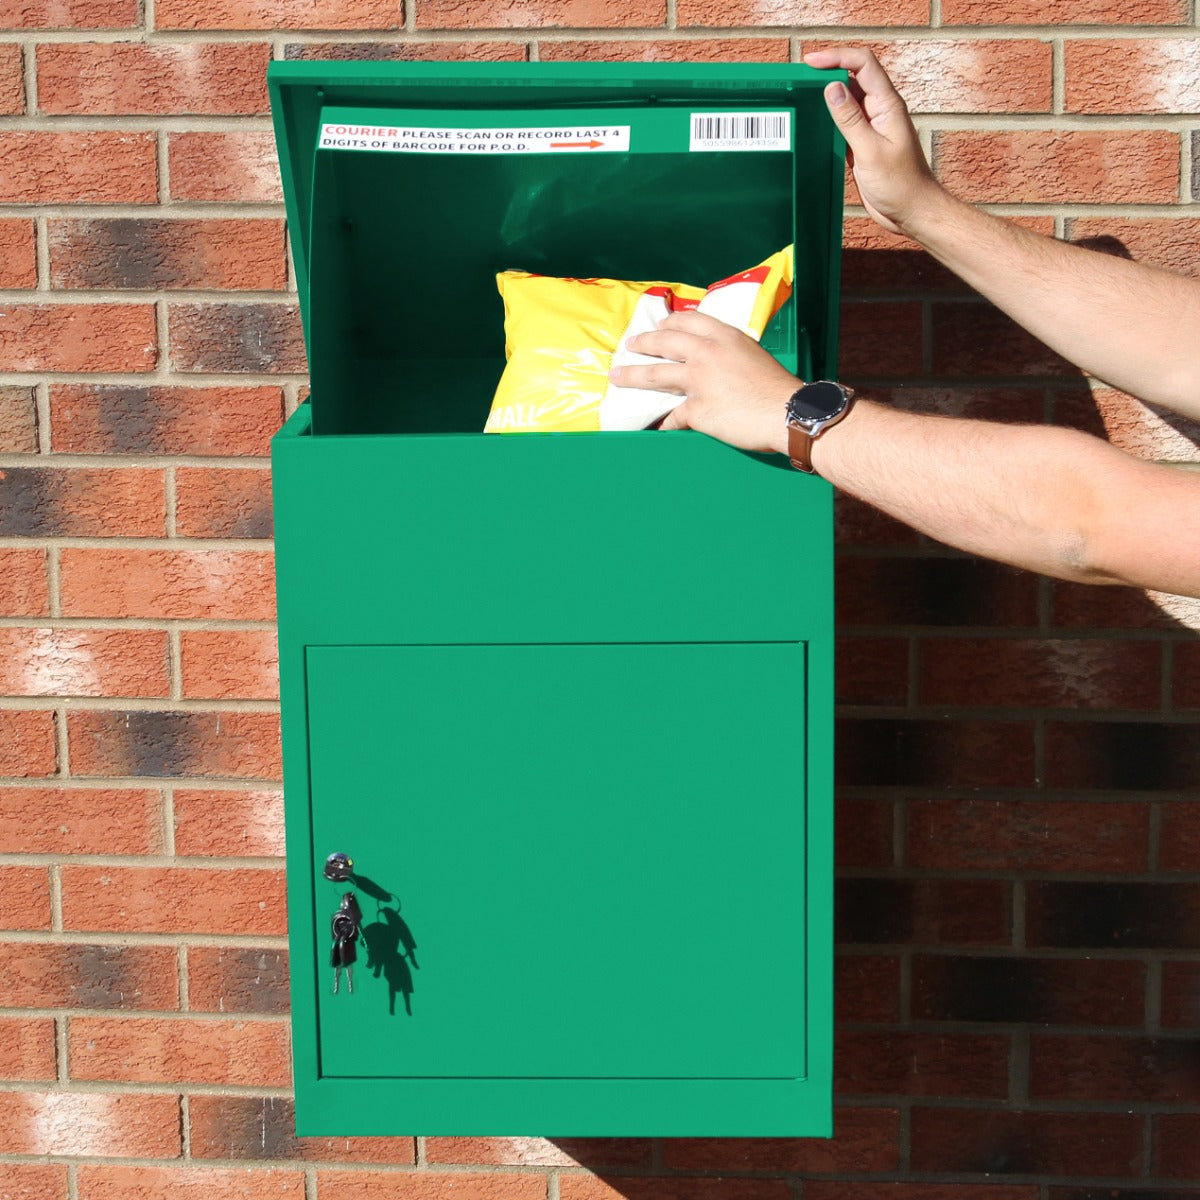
point(816, 402)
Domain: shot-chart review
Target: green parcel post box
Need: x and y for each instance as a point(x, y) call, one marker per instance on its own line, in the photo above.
point(565, 700)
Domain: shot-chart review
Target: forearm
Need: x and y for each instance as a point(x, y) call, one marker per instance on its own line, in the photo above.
point(1132, 326)
point(1049, 500)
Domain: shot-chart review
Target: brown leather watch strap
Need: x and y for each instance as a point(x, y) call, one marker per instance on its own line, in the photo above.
point(800, 449)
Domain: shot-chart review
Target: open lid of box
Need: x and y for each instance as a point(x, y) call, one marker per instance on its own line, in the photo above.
point(409, 185)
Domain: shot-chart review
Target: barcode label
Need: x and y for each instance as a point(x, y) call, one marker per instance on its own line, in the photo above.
point(741, 131)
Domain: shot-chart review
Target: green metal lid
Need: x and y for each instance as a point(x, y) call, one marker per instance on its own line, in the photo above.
point(409, 185)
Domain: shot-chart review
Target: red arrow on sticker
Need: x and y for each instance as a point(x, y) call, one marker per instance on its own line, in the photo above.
point(576, 145)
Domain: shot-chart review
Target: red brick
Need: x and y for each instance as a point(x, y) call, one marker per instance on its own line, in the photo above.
point(590, 1187)
point(18, 253)
point(719, 13)
point(1170, 242)
point(874, 260)
point(1077, 673)
point(24, 591)
point(99, 1182)
point(282, 15)
point(178, 1050)
point(18, 420)
point(864, 1139)
point(1079, 606)
point(234, 745)
point(1179, 836)
point(78, 975)
point(237, 979)
point(1047, 166)
point(1128, 423)
point(221, 502)
point(429, 1185)
point(864, 833)
point(25, 897)
point(1176, 1145)
point(1186, 681)
point(1149, 75)
point(1021, 404)
point(225, 584)
point(229, 823)
point(79, 820)
point(540, 14)
point(27, 744)
point(33, 1181)
point(1011, 989)
point(593, 1153)
point(237, 337)
point(973, 338)
point(667, 50)
point(1027, 835)
point(872, 670)
point(119, 419)
point(1002, 1142)
point(866, 988)
point(858, 524)
point(100, 1124)
point(1181, 995)
point(12, 78)
point(230, 664)
point(961, 76)
point(406, 51)
point(98, 167)
point(240, 166)
point(82, 502)
point(144, 253)
point(1119, 1069)
point(69, 14)
point(1065, 12)
point(78, 337)
point(880, 340)
point(134, 77)
point(835, 1190)
point(920, 1064)
point(255, 1127)
point(27, 1048)
point(249, 900)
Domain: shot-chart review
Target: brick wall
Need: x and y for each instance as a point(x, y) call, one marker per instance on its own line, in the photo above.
point(1019, 823)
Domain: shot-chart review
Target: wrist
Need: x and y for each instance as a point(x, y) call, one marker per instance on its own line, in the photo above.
point(930, 210)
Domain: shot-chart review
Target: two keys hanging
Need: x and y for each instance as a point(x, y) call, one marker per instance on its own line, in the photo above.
point(346, 924)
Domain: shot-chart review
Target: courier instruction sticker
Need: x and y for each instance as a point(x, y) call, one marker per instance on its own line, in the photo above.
point(477, 141)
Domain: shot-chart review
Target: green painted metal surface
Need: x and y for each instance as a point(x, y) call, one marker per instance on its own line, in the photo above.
point(566, 699)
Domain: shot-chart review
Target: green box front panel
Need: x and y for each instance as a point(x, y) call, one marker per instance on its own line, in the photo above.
point(578, 893)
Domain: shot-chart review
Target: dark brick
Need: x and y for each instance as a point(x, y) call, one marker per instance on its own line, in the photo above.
point(255, 1128)
point(1120, 1069)
point(231, 338)
point(1078, 915)
point(1179, 836)
point(232, 979)
point(81, 502)
point(874, 911)
point(1187, 675)
point(1111, 1193)
point(1122, 755)
point(920, 1064)
point(73, 975)
point(1042, 991)
point(935, 753)
point(1001, 1142)
point(934, 591)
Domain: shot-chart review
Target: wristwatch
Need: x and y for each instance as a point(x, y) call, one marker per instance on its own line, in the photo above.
point(812, 410)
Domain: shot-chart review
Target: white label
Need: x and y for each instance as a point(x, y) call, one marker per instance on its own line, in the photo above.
point(741, 131)
point(480, 142)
